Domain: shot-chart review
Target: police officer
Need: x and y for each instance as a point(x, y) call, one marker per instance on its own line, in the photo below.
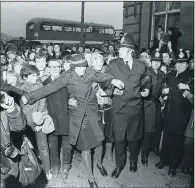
point(176, 114)
point(128, 104)
point(152, 108)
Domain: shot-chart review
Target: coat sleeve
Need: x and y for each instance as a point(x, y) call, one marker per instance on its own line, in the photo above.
point(8, 87)
point(50, 88)
point(146, 80)
point(104, 78)
point(16, 119)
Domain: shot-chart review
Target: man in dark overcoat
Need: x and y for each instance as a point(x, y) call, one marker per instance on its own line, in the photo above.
point(128, 108)
point(57, 104)
point(176, 114)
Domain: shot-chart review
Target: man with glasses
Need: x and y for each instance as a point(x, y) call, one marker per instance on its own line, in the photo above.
point(58, 110)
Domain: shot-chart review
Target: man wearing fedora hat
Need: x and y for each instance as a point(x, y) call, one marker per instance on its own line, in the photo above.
point(176, 113)
point(128, 108)
point(85, 125)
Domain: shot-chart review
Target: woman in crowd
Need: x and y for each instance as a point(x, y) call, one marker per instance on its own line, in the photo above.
point(105, 103)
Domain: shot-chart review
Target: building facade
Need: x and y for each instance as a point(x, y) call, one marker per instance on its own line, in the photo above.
point(141, 18)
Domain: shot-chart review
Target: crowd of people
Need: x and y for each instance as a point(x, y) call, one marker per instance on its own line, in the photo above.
point(87, 97)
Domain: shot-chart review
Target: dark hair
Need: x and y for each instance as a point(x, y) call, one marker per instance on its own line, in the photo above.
point(67, 58)
point(143, 50)
point(41, 54)
point(28, 70)
point(160, 26)
point(170, 29)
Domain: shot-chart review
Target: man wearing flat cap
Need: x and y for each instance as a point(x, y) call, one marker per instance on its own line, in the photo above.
point(128, 107)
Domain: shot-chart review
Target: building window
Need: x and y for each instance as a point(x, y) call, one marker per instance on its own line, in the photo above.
point(165, 14)
point(160, 6)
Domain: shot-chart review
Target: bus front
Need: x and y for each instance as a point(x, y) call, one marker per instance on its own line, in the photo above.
point(31, 31)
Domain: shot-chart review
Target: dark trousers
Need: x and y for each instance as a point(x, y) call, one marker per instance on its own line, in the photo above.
point(146, 142)
point(172, 149)
point(155, 140)
point(54, 148)
point(188, 155)
point(120, 152)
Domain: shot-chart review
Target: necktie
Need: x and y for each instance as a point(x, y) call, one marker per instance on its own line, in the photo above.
point(128, 66)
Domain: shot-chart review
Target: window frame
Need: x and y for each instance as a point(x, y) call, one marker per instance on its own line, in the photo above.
point(88, 27)
point(70, 26)
point(49, 24)
point(75, 27)
point(57, 25)
point(108, 33)
point(166, 13)
point(29, 24)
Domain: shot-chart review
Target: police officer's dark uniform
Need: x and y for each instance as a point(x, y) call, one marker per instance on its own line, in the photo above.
point(127, 109)
point(176, 116)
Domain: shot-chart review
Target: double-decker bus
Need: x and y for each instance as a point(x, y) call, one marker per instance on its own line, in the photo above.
point(48, 30)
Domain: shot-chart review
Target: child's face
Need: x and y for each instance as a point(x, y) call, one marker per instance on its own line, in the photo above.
point(41, 64)
point(17, 68)
point(11, 79)
point(66, 66)
point(11, 57)
point(32, 78)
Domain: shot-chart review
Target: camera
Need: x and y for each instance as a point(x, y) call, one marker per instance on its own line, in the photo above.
point(2, 98)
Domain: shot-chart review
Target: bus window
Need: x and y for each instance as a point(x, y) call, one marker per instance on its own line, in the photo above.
point(31, 26)
point(100, 30)
point(77, 29)
point(88, 29)
point(57, 28)
point(46, 26)
point(68, 28)
point(109, 31)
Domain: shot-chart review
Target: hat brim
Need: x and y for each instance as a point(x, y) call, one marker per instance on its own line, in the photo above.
point(182, 60)
point(126, 45)
point(84, 64)
point(156, 59)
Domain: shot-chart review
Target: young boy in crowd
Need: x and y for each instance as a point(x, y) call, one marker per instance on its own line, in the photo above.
point(29, 75)
point(41, 64)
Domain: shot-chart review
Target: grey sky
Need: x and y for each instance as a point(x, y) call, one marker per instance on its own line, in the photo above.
point(15, 15)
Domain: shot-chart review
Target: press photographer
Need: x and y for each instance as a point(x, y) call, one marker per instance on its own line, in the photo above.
point(16, 153)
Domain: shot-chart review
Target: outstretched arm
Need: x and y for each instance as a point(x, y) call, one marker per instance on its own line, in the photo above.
point(50, 88)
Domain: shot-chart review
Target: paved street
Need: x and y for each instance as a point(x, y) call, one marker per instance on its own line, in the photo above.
point(145, 176)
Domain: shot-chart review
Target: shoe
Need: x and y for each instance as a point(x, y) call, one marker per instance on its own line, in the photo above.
point(49, 176)
point(185, 171)
point(65, 173)
point(160, 165)
point(93, 184)
point(133, 166)
point(55, 173)
point(102, 170)
point(144, 160)
point(4, 169)
point(116, 173)
point(156, 151)
point(172, 171)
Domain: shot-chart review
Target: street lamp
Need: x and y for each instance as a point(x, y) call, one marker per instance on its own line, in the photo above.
point(82, 23)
